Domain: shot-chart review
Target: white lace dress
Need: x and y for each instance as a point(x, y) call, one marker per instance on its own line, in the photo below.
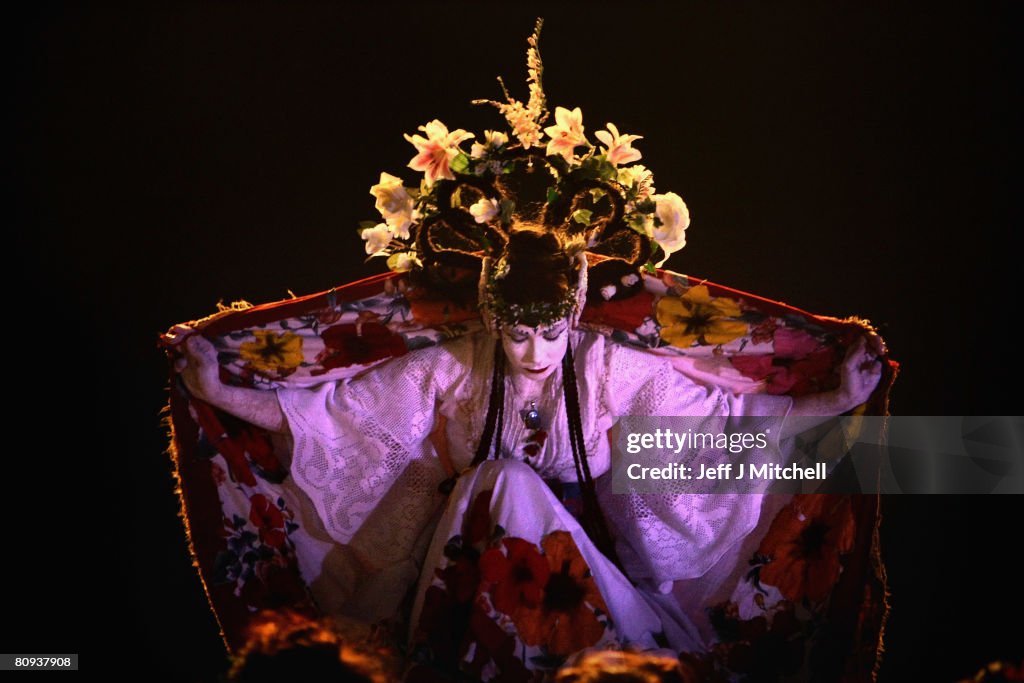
point(502, 554)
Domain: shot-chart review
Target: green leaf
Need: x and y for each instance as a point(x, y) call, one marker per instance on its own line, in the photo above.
point(552, 195)
point(646, 206)
point(559, 163)
point(582, 216)
point(650, 269)
point(460, 164)
point(457, 197)
point(637, 221)
point(506, 208)
point(597, 167)
point(655, 248)
point(393, 261)
point(597, 193)
point(587, 170)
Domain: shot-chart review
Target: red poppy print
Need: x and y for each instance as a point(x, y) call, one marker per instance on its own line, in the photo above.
point(274, 584)
point(357, 344)
point(622, 314)
point(518, 578)
point(268, 519)
point(804, 544)
point(801, 365)
point(257, 445)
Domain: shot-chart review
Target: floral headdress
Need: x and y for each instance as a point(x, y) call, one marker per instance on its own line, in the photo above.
point(460, 217)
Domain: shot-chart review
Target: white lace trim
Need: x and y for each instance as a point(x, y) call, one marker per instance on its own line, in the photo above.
point(362, 455)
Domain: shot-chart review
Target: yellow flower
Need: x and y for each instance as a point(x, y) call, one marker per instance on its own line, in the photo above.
point(273, 353)
point(697, 317)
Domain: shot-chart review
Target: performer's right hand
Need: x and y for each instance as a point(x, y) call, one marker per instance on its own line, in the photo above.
point(199, 368)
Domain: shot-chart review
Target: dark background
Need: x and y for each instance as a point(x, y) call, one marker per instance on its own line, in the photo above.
point(845, 160)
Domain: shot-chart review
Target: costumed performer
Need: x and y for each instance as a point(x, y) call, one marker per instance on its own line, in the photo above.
point(529, 559)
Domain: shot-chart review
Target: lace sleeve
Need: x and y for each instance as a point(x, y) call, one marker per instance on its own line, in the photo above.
point(675, 533)
point(359, 440)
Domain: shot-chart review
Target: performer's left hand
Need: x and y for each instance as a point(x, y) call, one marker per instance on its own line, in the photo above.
point(860, 372)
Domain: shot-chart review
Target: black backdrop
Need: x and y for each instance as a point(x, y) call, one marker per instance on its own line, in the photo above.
point(846, 160)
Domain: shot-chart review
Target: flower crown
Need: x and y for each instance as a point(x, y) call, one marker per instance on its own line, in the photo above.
point(463, 211)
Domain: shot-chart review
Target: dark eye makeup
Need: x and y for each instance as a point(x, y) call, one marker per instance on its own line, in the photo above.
point(551, 335)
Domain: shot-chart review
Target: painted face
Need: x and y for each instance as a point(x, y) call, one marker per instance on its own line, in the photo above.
point(535, 352)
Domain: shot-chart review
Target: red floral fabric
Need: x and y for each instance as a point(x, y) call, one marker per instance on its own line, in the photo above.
point(816, 564)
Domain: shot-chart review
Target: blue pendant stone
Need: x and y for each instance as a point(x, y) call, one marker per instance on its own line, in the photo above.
point(531, 417)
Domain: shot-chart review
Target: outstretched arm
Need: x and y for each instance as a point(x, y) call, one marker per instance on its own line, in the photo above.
point(861, 371)
point(201, 373)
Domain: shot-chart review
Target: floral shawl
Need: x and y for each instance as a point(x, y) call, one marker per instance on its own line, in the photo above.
point(794, 610)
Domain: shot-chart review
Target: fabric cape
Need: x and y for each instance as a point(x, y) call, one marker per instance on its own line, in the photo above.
point(246, 537)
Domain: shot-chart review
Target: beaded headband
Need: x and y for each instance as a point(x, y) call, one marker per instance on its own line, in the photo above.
point(495, 311)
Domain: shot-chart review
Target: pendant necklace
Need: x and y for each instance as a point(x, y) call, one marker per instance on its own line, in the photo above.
point(531, 416)
point(530, 412)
